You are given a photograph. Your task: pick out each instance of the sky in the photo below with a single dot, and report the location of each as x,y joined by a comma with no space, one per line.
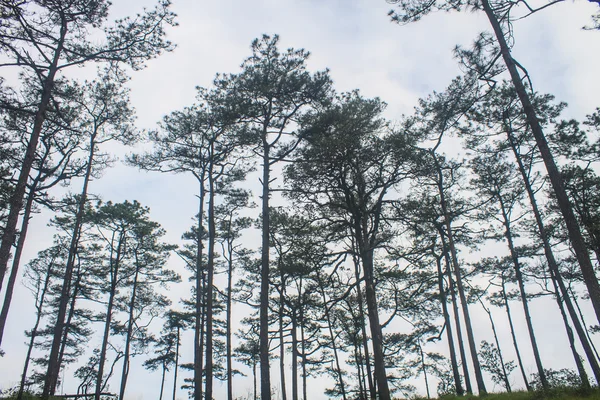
363,50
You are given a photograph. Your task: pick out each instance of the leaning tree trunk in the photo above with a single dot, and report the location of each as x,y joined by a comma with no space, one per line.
461,342
580,368
16,199
504,373
449,334
109,310
34,330
552,264
129,334
575,236
514,337
14,272
517,267
459,283
54,357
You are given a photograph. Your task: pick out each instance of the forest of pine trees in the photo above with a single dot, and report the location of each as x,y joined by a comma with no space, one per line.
327,243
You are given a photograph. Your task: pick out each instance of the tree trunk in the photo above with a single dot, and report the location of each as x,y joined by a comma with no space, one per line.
376,332
552,265
585,383
281,336
505,375
54,357
228,325
514,337
333,346
162,381
265,379
363,328
209,283
459,284
16,260
199,314
16,200
461,342
34,330
294,358
562,198
303,345
176,365
517,266
109,309
424,369
125,372
449,334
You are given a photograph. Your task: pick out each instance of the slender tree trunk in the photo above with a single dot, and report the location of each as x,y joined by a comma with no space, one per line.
162,381
34,330
333,346
228,324
517,266
14,272
514,337
562,198
176,365
376,332
70,316
449,334
265,379
254,381
303,345
504,373
580,368
461,343
125,372
109,309
199,314
583,324
281,336
424,369
53,359
459,284
552,264
361,315
16,199
359,370
209,283
294,357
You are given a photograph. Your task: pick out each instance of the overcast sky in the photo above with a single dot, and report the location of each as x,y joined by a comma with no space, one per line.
363,50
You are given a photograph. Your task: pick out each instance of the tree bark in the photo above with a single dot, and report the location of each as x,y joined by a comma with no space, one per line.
265,379
575,236
125,371
514,337
461,342
16,260
109,310
449,334
176,367
16,200
54,361
517,267
552,264
376,332
199,312
459,284
210,280
363,328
